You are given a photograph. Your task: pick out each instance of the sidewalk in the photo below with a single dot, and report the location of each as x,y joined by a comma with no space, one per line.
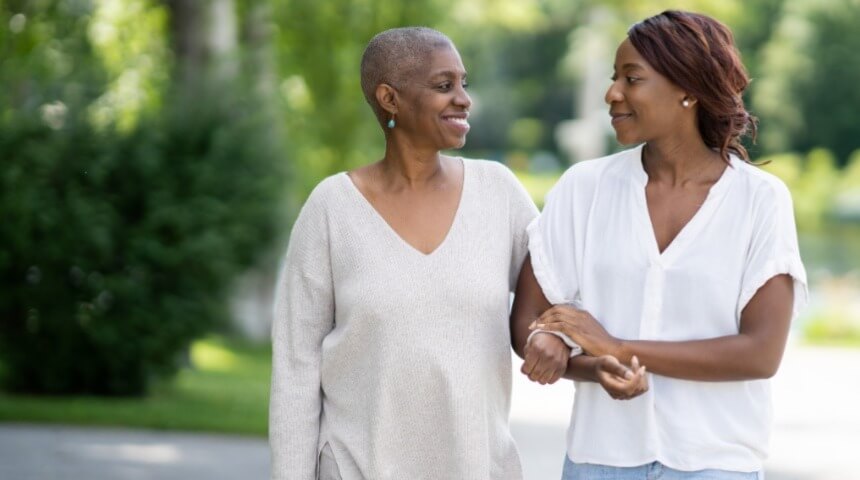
816,435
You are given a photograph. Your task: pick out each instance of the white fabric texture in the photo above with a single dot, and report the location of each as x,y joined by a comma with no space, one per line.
399,361
575,349
594,246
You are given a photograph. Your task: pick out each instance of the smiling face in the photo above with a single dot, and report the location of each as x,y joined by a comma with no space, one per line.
644,105
434,106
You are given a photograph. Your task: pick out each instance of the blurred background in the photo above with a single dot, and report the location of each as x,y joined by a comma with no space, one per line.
155,152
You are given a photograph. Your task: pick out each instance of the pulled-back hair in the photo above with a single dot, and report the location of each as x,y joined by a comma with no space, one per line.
698,54
395,55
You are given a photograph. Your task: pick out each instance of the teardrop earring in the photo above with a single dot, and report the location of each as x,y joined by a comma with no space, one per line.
391,122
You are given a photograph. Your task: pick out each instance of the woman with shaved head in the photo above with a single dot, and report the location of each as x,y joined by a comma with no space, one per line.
677,253
391,347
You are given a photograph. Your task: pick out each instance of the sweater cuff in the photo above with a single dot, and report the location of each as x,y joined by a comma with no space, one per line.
575,349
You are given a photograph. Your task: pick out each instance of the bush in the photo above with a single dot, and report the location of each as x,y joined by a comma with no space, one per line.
117,249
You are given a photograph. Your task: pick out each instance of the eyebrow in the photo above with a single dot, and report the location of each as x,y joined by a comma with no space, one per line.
448,74
632,66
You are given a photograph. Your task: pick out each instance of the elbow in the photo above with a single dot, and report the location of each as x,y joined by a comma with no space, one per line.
763,369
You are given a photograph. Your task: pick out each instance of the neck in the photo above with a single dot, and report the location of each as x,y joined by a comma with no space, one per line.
406,166
678,161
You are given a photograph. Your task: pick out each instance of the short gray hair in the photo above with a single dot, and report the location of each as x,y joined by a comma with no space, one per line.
395,55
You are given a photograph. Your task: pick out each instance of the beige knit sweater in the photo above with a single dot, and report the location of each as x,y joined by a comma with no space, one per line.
398,360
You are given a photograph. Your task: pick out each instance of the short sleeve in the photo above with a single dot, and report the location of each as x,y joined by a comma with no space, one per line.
552,244
774,248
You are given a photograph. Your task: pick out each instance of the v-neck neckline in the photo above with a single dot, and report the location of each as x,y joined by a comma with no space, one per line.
373,212
693,226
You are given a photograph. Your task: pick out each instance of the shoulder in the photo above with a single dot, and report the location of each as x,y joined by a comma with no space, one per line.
760,185
323,199
499,184
589,172
494,175
329,189
490,170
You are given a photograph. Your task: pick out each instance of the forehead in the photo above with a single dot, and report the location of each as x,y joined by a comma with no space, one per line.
628,58
445,61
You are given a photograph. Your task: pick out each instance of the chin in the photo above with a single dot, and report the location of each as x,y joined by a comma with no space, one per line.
626,139
455,144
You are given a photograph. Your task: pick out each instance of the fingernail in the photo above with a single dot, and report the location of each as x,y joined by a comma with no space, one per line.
628,374
532,325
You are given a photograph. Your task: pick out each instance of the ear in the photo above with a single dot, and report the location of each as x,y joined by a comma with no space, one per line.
386,96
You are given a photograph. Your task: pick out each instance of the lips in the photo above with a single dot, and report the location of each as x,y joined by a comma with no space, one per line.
457,121
618,117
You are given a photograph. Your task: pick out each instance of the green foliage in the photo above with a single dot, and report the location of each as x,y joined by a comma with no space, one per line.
118,249
833,328
805,94
812,181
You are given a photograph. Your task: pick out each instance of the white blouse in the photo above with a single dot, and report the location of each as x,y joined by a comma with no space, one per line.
593,246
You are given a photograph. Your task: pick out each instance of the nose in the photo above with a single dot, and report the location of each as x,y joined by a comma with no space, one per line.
462,99
613,94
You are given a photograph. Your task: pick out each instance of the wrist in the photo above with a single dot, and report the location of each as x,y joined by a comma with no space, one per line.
621,350
595,368
575,349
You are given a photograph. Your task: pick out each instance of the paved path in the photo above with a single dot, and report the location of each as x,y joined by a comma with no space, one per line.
816,435
30,452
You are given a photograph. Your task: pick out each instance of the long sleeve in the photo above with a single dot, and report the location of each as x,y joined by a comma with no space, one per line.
304,315
522,212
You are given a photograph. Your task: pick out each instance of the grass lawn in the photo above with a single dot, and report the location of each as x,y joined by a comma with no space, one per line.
226,391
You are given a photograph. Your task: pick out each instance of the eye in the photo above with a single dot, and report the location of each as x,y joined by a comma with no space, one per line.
444,87
465,85
633,79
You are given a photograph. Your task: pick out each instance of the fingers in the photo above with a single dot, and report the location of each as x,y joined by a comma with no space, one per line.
611,365
530,362
633,384
553,326
547,371
546,359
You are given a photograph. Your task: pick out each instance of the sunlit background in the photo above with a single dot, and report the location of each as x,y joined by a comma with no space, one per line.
155,152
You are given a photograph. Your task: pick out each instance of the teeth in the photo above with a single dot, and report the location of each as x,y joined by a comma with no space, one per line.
461,121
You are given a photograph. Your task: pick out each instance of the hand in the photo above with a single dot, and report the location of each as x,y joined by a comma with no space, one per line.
580,326
545,358
620,382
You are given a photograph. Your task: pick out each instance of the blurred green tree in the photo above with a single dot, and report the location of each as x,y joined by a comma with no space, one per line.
125,222
805,95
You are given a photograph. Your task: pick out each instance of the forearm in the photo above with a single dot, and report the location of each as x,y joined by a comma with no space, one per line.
293,434
529,303
520,322
581,368
729,358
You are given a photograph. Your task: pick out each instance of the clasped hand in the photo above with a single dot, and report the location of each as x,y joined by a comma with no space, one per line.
546,356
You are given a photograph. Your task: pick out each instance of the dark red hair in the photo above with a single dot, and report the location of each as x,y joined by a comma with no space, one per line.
698,54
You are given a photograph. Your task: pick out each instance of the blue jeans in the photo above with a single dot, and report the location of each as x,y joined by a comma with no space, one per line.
651,471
